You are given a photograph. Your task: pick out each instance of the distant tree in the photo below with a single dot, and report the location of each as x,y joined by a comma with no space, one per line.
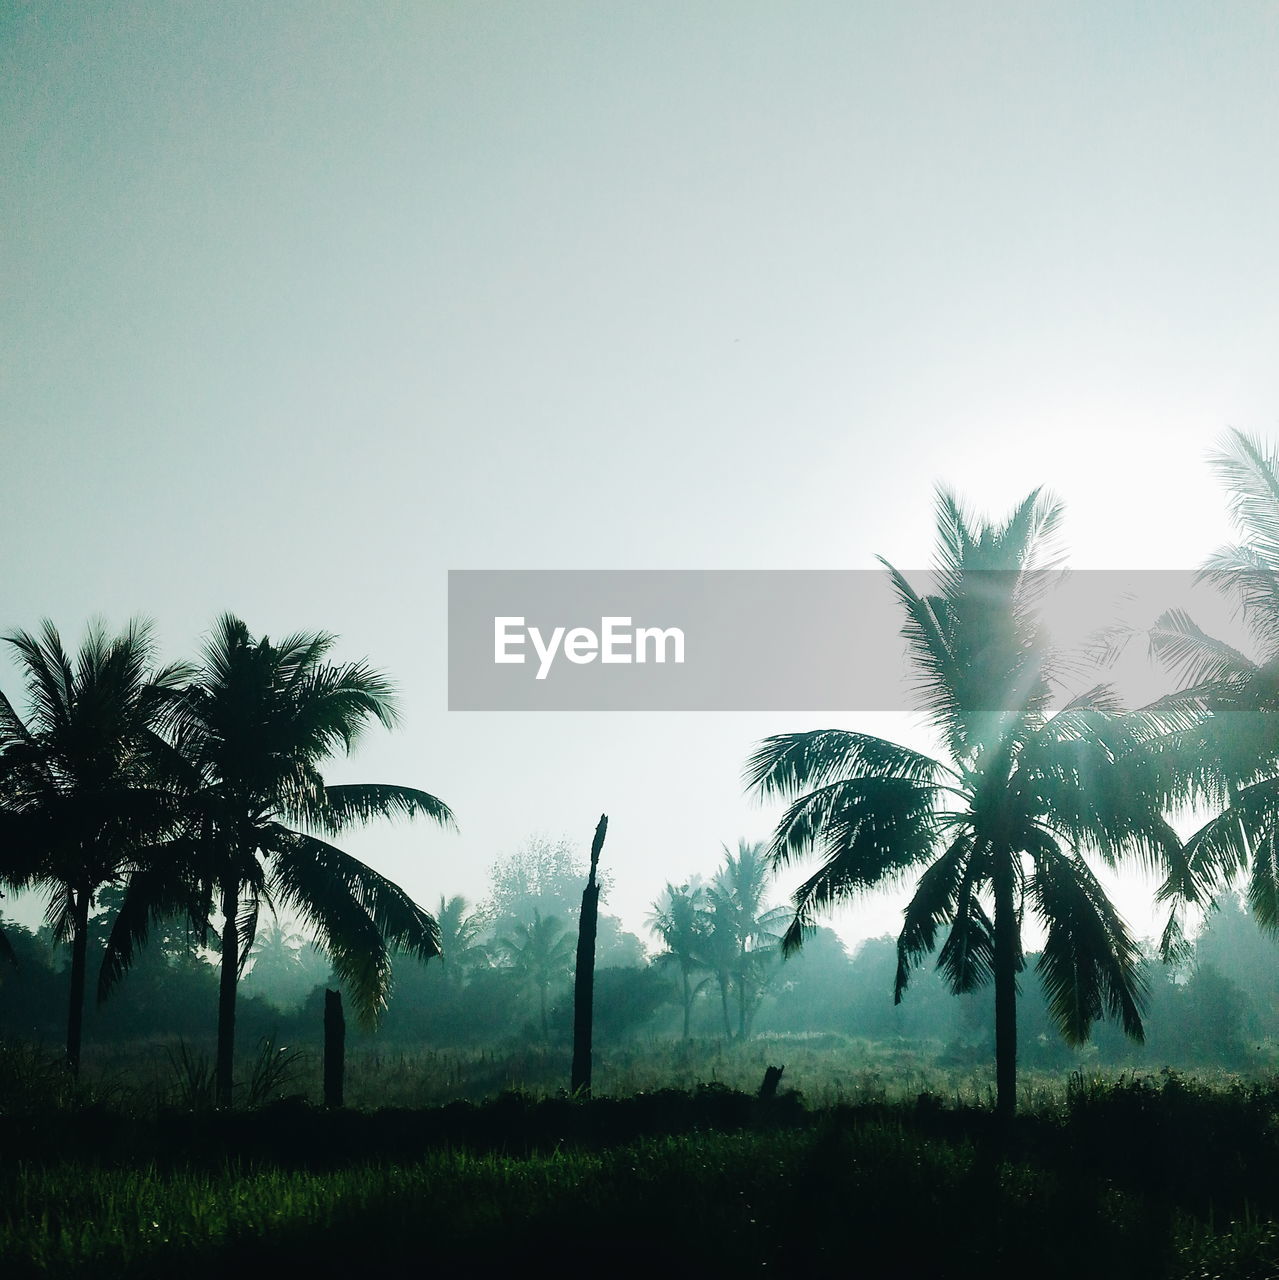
720,950
1211,1019
815,991
540,956
287,965
616,947
461,950
541,876
749,931
681,918
31,990
626,1001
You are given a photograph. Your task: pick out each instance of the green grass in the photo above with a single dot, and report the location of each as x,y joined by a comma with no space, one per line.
869,1196
799,1199
899,1166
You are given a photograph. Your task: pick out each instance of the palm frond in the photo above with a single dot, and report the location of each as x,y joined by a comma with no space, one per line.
353,908
1263,880
1192,655
1090,964
787,764
1250,475
346,805
868,832
932,905
1221,849
159,888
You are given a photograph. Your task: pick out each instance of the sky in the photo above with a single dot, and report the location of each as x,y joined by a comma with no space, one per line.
303,305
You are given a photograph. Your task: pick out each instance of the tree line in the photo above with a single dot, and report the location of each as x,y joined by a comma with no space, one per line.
196,792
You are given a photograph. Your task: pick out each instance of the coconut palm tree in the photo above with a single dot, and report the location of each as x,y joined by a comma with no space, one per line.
998,828
252,729
78,779
540,954
1232,756
736,898
460,947
681,918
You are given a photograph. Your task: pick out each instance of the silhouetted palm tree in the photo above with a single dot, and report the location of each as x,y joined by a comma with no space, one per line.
253,728
540,955
78,779
1000,828
1232,756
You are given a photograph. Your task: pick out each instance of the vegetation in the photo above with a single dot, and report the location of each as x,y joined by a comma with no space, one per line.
1152,1176
168,806
185,784
998,831
78,780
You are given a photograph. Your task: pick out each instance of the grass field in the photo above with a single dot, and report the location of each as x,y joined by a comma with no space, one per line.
888,1164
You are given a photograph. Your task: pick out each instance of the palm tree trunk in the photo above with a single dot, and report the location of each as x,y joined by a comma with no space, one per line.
1005,991
79,953
723,1001
546,1027
688,1003
741,995
226,994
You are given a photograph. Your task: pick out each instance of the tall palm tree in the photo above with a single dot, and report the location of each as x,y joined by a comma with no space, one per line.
540,954
1232,756
253,727
78,778
999,827
681,918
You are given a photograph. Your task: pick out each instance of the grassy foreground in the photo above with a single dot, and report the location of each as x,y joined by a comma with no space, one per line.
1139,1177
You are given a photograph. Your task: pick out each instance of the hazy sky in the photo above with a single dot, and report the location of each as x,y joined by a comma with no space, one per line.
304,304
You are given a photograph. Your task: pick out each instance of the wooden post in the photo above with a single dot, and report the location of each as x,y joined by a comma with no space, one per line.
334,1048
584,981
772,1078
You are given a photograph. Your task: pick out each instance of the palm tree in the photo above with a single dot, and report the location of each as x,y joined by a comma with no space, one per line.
1232,756
78,779
681,918
738,911
460,946
999,827
540,954
253,728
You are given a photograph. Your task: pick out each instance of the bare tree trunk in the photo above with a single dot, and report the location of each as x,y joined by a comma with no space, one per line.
1006,948
228,977
334,1049
79,953
584,977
